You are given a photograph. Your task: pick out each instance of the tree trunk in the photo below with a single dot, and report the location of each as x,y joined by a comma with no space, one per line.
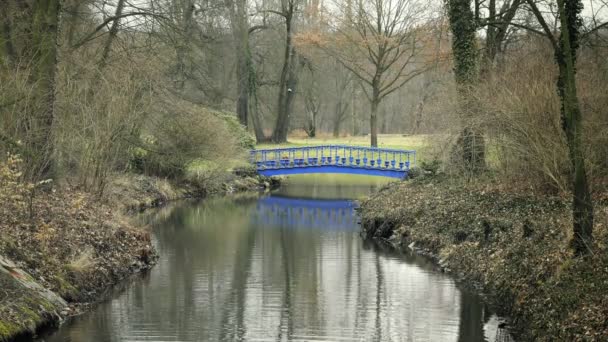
312,129
255,121
336,130
354,116
287,85
254,114
582,205
496,33
491,48
7,52
470,147
240,32
420,110
242,74
338,115
112,34
44,39
373,123
183,45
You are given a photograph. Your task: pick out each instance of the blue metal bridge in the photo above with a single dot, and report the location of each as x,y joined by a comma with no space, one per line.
334,159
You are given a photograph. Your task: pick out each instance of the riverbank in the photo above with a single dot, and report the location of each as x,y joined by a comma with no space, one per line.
61,248
512,243
133,193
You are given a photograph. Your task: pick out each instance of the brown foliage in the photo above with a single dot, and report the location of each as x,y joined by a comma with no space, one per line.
515,244
65,239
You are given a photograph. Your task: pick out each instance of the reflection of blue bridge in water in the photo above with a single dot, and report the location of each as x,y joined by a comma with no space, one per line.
334,159
294,213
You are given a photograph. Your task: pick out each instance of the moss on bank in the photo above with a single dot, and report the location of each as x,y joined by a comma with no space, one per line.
28,304
514,244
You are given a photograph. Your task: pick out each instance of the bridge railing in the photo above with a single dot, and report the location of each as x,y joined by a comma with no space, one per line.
338,155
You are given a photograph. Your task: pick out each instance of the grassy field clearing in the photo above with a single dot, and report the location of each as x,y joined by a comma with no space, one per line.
408,142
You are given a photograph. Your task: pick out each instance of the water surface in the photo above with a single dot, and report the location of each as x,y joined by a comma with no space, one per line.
285,267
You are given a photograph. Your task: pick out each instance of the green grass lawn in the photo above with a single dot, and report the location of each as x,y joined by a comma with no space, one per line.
409,142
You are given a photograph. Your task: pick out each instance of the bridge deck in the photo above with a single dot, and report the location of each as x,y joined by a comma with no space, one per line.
334,159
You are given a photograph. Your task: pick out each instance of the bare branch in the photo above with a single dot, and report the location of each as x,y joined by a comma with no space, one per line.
543,23
99,27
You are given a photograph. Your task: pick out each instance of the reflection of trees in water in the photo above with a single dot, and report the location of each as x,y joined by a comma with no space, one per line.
471,319
235,303
286,319
222,276
379,281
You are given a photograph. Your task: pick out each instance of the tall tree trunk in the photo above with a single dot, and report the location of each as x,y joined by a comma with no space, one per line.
44,40
312,125
582,205
7,50
242,102
287,84
186,8
288,80
253,112
375,103
338,117
336,130
491,48
420,107
354,115
240,32
470,149
373,122
255,119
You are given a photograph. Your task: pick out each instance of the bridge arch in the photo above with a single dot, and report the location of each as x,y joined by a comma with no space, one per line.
370,161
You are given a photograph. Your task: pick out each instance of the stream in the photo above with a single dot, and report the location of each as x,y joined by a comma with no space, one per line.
290,266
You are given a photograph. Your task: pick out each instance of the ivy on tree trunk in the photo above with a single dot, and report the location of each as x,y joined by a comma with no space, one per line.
470,147
565,55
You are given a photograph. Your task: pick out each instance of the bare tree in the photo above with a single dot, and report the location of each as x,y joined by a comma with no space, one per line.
380,45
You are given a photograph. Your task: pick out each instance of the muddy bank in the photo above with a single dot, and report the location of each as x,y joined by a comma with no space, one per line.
512,244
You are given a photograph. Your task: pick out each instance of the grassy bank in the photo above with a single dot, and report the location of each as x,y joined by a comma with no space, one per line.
511,242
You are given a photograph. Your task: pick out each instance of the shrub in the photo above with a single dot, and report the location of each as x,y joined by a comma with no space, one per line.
180,135
244,138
